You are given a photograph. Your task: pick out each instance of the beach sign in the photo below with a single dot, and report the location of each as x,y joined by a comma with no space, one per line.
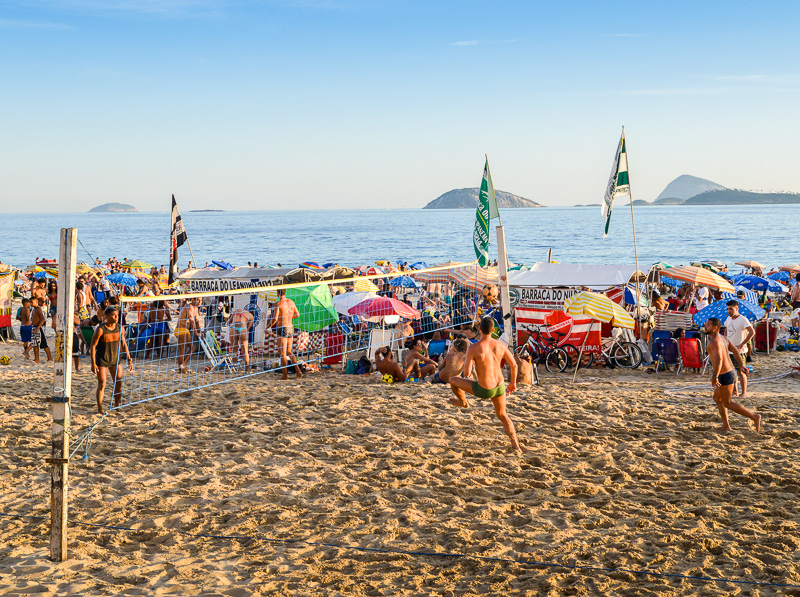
618,184
486,211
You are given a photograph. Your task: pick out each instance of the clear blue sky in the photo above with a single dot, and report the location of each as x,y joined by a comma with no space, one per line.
314,104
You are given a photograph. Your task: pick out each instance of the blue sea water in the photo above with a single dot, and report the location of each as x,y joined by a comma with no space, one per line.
676,234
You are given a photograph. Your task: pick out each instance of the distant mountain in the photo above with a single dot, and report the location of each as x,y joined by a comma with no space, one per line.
686,186
468,199
113,208
736,197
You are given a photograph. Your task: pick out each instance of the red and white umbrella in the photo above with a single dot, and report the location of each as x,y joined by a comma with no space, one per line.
381,306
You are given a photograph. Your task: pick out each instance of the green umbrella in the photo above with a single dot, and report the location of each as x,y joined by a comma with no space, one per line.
315,307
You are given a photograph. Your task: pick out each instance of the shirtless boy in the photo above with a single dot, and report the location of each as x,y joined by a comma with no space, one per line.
485,357
25,327
724,378
285,314
452,363
385,363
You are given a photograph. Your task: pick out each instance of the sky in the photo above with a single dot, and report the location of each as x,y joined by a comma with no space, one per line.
354,104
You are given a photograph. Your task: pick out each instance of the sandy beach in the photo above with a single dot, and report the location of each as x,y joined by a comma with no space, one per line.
619,474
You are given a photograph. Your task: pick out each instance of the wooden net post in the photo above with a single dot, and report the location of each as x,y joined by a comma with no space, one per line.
62,386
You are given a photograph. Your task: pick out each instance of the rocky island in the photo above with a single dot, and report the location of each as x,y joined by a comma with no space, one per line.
691,190
113,208
468,199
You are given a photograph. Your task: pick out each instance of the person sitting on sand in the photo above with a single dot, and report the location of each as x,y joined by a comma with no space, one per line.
385,363
724,375
452,363
416,356
485,357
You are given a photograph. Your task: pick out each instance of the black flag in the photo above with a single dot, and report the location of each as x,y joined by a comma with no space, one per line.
177,238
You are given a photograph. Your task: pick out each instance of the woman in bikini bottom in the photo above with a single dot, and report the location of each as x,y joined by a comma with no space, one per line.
480,392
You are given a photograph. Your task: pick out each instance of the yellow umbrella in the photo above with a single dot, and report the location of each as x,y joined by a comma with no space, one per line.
599,307
137,264
699,276
365,285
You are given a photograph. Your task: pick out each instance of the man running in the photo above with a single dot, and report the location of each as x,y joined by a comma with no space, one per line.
724,376
285,314
485,356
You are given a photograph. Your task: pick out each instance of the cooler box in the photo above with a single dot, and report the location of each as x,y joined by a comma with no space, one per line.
761,336
334,347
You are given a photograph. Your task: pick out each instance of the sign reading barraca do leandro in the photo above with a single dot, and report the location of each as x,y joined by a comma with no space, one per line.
542,299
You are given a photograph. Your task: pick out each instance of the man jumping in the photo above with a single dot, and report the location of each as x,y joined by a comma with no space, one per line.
485,356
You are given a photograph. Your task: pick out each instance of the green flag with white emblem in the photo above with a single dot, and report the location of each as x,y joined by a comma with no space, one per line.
487,211
618,185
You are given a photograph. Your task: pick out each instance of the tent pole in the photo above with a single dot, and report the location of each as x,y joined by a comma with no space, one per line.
580,353
505,297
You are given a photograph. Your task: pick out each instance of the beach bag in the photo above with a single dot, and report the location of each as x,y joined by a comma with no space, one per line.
351,367
364,366
647,356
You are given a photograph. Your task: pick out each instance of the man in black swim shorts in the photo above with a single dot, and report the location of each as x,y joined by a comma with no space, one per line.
724,375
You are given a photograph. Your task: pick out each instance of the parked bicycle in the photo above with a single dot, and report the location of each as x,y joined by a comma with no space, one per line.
544,350
618,353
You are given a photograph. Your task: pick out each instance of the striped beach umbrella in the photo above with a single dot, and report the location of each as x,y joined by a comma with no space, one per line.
365,285
475,277
137,264
720,310
600,307
699,276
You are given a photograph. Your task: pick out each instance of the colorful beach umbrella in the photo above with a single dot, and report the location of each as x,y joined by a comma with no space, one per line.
310,265
403,282
793,268
750,264
475,277
365,285
720,310
375,308
699,276
780,276
137,264
43,275
122,279
749,295
223,265
757,283
600,307
347,300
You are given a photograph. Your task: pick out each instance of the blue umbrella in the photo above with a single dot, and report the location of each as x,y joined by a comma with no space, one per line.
404,281
223,265
670,281
780,276
719,310
327,265
122,279
419,265
43,275
756,283
749,295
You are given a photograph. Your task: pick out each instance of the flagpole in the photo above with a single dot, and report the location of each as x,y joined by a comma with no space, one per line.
635,249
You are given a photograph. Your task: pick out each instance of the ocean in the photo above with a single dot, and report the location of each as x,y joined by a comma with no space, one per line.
675,234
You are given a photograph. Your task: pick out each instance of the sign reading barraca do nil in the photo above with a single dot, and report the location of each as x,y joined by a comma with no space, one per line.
543,299
486,211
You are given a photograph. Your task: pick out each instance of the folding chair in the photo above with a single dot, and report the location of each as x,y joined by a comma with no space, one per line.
214,353
379,338
690,355
667,350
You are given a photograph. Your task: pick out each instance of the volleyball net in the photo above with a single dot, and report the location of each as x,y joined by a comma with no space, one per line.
182,342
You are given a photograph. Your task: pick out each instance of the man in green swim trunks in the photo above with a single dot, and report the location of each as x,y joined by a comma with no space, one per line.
485,356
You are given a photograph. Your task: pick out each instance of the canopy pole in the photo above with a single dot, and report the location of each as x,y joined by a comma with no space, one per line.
635,249
580,353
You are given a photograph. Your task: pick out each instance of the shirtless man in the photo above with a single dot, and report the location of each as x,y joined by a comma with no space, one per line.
188,322
385,363
240,323
485,356
452,363
285,314
38,338
724,376
25,327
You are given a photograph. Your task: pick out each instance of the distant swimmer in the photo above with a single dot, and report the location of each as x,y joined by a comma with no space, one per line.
485,356
724,374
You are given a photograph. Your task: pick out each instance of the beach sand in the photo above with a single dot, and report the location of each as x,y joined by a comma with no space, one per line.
619,474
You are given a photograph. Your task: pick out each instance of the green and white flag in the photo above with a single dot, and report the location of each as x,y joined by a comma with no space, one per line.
618,185
487,211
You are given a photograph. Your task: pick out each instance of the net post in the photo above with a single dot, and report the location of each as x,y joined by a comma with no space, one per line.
505,297
62,386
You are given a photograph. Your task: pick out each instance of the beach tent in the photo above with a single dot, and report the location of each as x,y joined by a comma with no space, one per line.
594,276
315,307
214,280
337,272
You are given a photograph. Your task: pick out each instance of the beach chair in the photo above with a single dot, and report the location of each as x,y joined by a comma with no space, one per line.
214,353
379,338
436,348
691,355
667,351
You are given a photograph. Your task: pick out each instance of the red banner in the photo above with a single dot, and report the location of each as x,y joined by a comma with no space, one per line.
575,329
6,288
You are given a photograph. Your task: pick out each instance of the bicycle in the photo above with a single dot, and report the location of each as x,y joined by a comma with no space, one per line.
626,355
545,351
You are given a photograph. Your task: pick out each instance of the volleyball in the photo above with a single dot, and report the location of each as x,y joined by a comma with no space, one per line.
388,378
490,293
5,360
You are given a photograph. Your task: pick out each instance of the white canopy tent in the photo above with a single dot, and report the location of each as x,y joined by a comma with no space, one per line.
593,276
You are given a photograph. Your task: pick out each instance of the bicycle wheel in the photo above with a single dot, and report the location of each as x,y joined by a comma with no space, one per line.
556,360
572,354
627,355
